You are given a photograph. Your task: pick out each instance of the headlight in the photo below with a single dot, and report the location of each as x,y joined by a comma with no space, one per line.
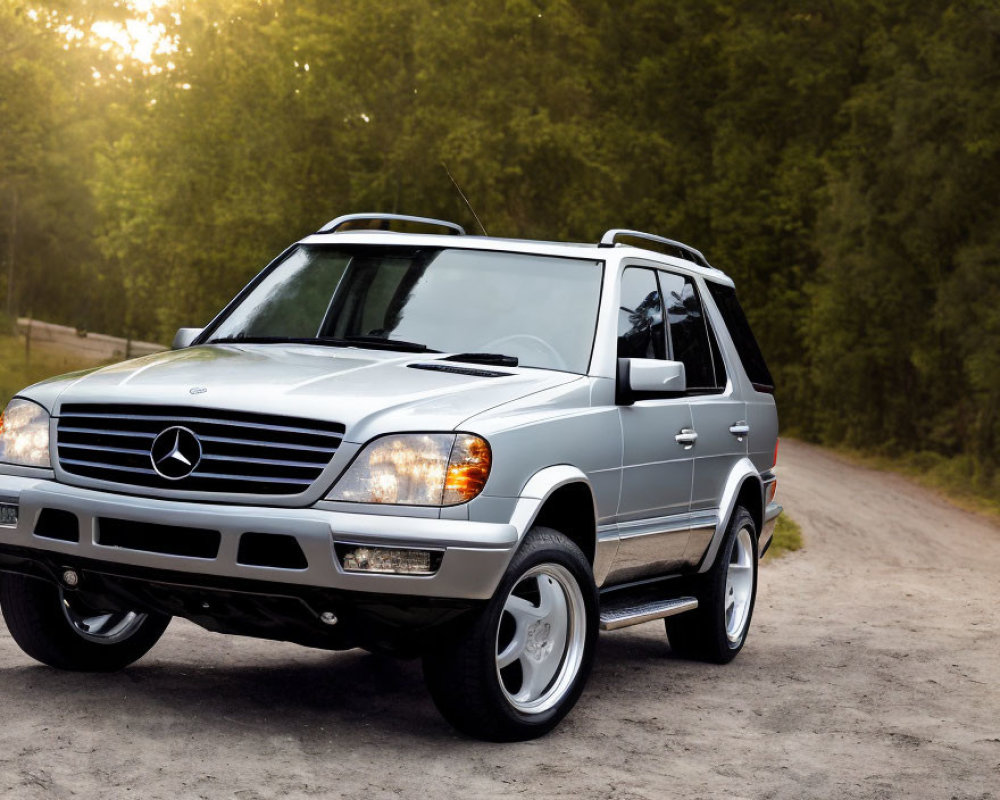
24,435
424,469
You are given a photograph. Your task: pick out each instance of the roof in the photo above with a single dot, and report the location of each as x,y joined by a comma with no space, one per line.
593,252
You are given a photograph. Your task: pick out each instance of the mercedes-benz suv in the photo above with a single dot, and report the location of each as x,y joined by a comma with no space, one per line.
474,450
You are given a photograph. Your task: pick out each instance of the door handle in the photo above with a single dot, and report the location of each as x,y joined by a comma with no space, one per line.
739,429
686,437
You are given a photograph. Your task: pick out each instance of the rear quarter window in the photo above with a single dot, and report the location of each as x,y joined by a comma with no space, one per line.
743,338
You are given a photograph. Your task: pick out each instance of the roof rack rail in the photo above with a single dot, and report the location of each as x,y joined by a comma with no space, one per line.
669,247
383,222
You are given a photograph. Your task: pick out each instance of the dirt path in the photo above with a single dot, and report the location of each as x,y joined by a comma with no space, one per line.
871,671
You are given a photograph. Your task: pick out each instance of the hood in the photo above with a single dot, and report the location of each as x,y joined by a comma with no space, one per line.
370,392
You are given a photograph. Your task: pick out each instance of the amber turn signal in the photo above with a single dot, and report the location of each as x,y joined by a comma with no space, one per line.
468,469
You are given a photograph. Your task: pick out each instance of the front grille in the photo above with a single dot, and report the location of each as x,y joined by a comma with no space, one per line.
242,453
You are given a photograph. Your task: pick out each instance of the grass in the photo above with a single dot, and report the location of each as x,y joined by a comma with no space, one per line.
787,537
19,369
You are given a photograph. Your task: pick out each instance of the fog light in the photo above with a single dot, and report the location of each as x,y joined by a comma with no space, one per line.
388,560
8,514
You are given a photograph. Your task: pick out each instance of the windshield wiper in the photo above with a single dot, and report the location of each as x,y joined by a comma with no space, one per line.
276,340
493,359
389,344
373,342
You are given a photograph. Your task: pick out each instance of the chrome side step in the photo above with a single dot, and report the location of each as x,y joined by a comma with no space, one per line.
614,618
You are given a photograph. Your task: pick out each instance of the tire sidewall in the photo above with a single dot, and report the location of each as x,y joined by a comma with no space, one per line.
540,549
32,610
741,519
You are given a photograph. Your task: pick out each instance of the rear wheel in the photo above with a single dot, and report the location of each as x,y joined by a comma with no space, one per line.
717,630
63,630
522,665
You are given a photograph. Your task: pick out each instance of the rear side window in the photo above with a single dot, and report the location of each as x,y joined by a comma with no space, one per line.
743,338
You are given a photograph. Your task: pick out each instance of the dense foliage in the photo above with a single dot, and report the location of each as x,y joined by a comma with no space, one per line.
840,159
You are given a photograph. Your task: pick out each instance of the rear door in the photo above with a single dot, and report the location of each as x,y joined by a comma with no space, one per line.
718,416
762,416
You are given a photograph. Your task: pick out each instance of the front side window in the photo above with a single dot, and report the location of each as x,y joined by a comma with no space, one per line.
640,316
661,316
541,310
691,338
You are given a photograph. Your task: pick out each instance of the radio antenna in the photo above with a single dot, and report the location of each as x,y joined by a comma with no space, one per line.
465,199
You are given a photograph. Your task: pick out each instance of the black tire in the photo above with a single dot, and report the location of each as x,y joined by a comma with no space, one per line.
488,701
703,634
34,612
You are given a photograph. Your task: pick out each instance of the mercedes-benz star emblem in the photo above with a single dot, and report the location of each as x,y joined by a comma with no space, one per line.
175,453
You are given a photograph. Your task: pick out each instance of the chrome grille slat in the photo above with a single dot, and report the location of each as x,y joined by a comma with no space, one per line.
270,461
97,465
206,475
218,477
227,440
68,429
242,453
192,420
103,449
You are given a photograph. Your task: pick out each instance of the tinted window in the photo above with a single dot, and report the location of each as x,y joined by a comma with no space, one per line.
640,316
688,329
743,338
720,365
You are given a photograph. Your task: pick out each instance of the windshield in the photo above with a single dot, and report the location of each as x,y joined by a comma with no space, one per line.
539,309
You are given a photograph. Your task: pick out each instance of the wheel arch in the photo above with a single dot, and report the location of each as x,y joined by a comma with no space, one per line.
560,497
744,487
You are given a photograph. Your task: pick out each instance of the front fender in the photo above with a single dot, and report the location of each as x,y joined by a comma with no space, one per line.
539,488
537,491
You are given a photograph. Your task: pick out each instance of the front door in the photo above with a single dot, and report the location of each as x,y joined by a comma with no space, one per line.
657,470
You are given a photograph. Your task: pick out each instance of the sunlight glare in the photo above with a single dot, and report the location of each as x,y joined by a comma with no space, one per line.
139,38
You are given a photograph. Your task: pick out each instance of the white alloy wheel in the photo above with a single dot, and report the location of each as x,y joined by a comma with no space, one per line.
515,669
108,627
541,638
739,585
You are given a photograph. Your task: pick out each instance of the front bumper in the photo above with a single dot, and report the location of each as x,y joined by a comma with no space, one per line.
475,554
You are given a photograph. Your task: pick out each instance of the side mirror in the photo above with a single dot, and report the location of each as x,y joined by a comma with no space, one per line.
640,378
184,337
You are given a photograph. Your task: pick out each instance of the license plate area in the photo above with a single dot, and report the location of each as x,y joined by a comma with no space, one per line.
8,514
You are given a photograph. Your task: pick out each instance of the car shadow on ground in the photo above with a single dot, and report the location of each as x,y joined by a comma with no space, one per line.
289,690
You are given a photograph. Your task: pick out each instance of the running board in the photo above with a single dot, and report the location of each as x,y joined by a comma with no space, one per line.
614,618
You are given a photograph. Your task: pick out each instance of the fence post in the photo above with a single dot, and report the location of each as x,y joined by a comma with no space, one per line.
11,251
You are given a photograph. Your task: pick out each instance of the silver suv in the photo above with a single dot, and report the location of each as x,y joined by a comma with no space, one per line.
475,450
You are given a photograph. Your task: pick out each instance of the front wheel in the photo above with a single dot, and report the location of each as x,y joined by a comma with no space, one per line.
62,630
519,669
726,594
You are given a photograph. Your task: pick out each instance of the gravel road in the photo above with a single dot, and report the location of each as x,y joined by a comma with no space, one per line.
871,671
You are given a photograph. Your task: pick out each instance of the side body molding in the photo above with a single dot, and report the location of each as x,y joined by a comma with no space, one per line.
742,470
539,488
